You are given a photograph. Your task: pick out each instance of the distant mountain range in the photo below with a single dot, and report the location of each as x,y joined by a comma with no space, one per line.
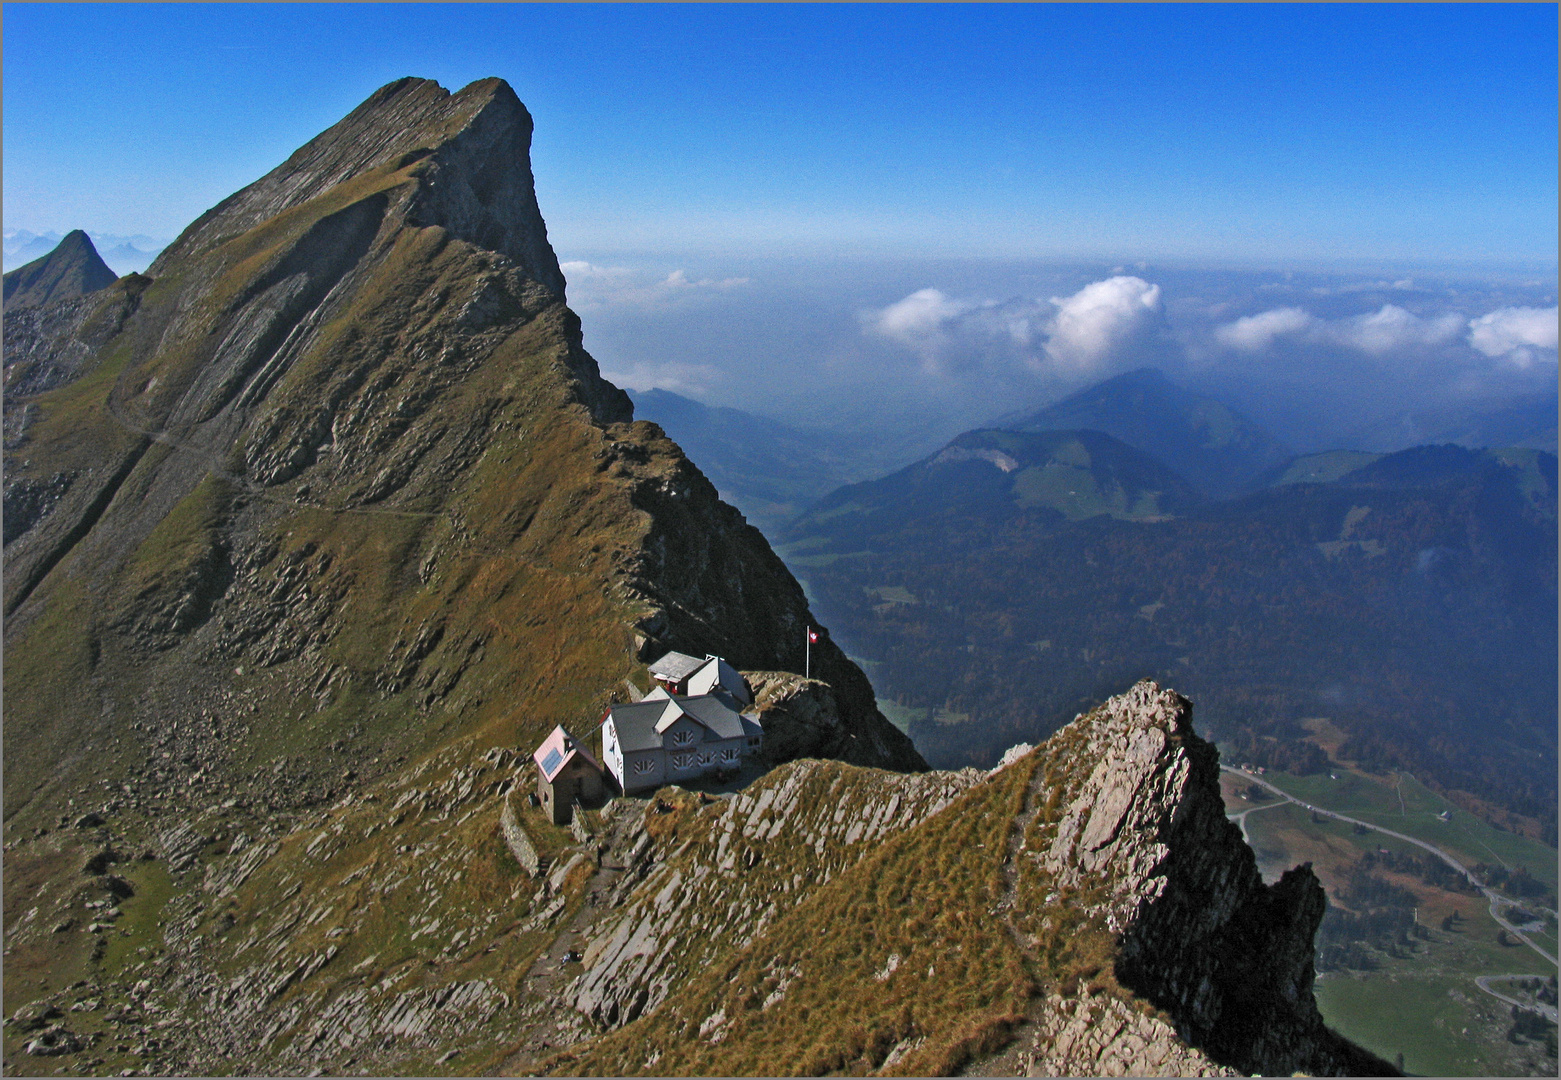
769,470
1527,420
125,254
1213,446
990,474
1012,578
69,270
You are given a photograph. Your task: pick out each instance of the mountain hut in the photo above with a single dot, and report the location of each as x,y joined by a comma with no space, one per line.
566,774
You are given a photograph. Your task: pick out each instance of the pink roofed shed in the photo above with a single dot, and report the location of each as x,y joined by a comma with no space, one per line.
566,774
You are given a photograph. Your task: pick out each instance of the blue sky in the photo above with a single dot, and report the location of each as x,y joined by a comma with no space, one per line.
1249,134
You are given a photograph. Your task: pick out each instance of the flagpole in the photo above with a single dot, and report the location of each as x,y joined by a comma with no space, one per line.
807,653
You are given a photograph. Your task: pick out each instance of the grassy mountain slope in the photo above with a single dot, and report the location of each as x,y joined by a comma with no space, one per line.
1217,449
321,510
1060,908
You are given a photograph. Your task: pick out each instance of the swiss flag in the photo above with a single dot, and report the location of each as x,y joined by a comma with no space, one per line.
812,636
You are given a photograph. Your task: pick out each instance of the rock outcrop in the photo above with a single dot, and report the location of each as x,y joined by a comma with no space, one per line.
1084,909
737,868
1201,937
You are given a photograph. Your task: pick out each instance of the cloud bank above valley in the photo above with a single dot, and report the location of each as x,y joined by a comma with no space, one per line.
922,351
1073,336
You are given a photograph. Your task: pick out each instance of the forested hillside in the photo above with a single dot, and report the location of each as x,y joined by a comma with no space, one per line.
1411,600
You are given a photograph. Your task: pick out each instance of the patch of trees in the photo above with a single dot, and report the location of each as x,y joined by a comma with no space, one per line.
1353,940
1292,754
1528,1026
1545,991
1515,881
1429,869
1380,920
1366,890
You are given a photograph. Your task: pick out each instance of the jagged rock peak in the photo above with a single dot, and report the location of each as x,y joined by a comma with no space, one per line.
74,268
472,152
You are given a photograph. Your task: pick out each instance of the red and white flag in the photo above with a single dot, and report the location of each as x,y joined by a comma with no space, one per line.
812,636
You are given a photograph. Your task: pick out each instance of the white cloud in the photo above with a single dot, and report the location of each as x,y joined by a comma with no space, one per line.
1388,329
1392,328
694,380
923,322
1254,333
595,287
1517,334
1069,336
1094,324
580,270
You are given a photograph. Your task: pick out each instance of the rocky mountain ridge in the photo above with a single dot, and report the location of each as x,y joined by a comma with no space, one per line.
1091,887
322,524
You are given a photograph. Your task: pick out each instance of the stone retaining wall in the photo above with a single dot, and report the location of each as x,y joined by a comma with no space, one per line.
519,843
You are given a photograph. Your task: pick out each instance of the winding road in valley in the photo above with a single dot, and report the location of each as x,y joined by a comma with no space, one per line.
1496,901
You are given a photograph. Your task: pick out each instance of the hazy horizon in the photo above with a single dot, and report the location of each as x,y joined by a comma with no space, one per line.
885,218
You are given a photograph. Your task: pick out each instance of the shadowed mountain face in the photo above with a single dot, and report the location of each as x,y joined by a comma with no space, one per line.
72,269
1213,446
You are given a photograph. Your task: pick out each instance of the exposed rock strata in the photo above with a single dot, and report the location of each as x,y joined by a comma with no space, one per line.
1201,936
1148,942
744,864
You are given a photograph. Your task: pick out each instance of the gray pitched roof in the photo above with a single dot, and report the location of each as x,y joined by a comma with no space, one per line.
636,723
715,714
676,666
641,723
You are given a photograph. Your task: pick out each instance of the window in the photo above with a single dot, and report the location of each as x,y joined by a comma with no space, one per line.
644,765
683,738
682,761
730,753
707,758
753,742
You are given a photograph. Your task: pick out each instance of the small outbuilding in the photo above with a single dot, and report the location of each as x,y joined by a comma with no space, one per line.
688,676
567,774
673,670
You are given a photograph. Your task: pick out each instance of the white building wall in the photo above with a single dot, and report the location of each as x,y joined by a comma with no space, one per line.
634,779
612,753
